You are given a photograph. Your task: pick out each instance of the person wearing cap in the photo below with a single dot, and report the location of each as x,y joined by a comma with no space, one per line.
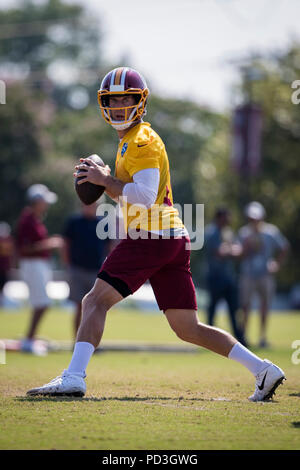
221,249
264,249
34,248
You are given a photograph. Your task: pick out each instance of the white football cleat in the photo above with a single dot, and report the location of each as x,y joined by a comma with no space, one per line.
66,384
268,379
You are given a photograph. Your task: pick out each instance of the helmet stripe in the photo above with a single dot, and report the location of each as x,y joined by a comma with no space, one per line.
124,76
112,77
118,76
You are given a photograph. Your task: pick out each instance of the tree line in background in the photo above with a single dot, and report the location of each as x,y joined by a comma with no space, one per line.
50,121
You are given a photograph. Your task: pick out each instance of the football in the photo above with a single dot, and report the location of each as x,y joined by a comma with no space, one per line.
89,192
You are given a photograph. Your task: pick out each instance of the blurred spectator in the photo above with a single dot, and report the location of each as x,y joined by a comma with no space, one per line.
84,253
220,250
294,297
264,250
6,255
34,249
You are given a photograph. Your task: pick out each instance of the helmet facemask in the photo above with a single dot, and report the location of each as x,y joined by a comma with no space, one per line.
132,113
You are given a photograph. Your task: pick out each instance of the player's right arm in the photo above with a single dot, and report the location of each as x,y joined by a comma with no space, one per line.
100,175
114,188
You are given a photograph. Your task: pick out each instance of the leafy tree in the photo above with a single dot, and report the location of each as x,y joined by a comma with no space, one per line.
46,127
21,149
35,39
53,46
276,185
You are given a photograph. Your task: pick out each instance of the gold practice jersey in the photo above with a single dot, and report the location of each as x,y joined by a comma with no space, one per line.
142,148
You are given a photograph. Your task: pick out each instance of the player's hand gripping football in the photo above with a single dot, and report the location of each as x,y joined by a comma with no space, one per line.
91,172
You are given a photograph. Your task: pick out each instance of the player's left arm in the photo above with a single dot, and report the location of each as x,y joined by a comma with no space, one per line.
143,165
113,187
144,189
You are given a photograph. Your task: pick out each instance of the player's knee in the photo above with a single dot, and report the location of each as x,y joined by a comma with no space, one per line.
193,334
182,334
92,303
85,303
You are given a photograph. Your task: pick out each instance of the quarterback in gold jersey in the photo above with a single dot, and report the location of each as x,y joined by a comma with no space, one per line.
141,148
157,246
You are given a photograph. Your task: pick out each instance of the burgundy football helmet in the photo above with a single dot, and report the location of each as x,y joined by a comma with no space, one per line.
123,81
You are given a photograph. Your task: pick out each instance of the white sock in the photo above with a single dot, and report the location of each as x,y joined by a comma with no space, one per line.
242,355
81,356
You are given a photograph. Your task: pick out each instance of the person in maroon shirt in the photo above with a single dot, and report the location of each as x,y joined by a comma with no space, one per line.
34,247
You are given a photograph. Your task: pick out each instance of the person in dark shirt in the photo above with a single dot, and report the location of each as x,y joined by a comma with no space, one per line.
220,250
84,252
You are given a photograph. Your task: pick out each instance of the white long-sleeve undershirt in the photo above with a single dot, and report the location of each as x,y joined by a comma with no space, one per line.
144,188
143,191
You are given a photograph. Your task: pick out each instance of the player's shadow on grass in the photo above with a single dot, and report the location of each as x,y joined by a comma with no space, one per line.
125,398
147,399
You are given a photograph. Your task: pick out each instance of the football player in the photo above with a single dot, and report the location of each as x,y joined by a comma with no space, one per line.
157,246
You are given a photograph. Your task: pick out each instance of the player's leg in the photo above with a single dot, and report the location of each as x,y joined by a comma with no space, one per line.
95,305
175,294
186,325
120,275
77,318
94,308
118,278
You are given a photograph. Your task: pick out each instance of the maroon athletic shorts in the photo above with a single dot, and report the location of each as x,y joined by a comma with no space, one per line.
165,262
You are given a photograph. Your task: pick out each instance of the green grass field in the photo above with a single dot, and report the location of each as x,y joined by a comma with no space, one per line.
146,400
